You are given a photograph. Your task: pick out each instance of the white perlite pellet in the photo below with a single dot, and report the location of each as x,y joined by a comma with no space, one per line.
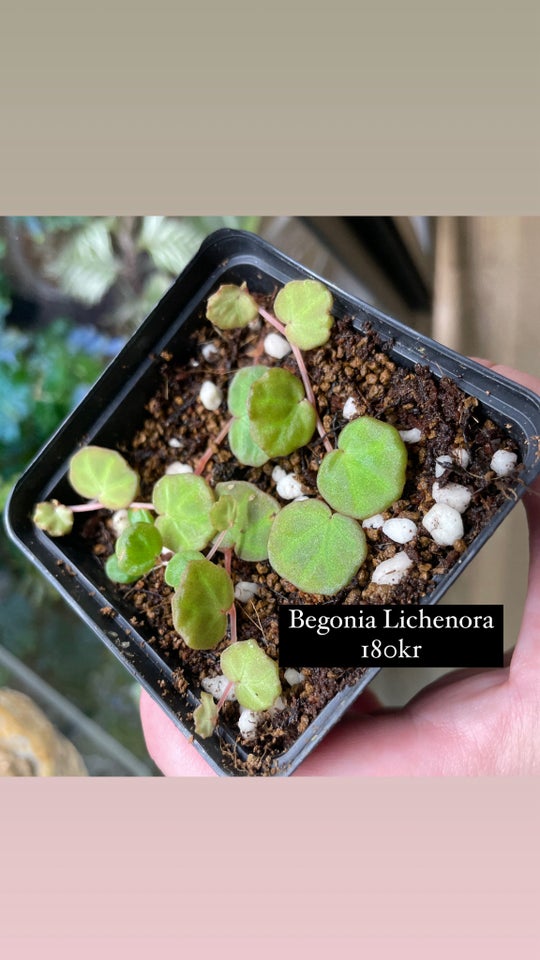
119,522
216,687
374,523
278,473
177,467
293,677
444,523
399,529
454,494
209,351
210,395
442,464
503,462
410,436
462,457
244,590
391,571
288,488
350,408
247,723
276,346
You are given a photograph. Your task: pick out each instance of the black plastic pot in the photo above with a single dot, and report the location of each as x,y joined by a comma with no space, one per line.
118,399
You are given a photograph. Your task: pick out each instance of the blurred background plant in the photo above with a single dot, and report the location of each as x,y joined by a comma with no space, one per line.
72,290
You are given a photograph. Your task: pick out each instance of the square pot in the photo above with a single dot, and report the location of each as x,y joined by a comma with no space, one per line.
119,398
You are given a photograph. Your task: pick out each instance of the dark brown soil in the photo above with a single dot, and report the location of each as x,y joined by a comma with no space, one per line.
177,427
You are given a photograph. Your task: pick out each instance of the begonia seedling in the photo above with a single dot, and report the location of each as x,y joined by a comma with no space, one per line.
281,419
103,475
254,674
366,474
304,307
316,550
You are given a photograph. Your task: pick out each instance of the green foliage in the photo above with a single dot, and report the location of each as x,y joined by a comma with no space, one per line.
231,306
200,603
304,307
53,517
138,515
205,716
177,565
39,377
254,674
86,266
241,442
281,418
100,474
367,472
136,553
250,520
138,547
317,551
183,502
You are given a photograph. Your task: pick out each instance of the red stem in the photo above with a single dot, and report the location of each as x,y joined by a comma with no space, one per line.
224,696
216,545
96,505
210,451
269,317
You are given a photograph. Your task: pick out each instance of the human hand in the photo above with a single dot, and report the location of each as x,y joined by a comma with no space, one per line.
468,723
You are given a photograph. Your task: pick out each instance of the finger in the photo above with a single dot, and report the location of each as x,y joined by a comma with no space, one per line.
170,750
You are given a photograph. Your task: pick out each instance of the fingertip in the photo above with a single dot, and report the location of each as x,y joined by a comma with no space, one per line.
170,750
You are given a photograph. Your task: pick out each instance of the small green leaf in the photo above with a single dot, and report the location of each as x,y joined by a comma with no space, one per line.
304,307
205,716
231,306
240,440
53,517
255,512
254,674
281,418
183,502
100,474
138,515
224,512
200,604
177,565
113,571
366,474
137,549
314,549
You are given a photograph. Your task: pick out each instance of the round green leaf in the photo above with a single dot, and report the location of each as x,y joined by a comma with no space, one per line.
177,565
314,549
304,306
183,502
366,474
137,549
240,440
253,518
53,517
281,419
200,604
231,306
254,674
100,474
115,573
